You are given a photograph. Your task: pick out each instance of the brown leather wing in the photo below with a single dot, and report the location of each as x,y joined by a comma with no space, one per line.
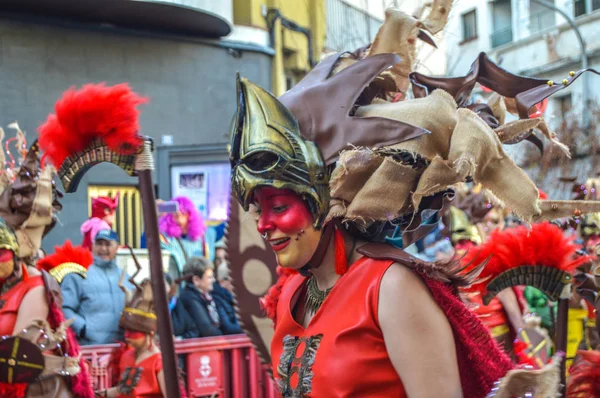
253,271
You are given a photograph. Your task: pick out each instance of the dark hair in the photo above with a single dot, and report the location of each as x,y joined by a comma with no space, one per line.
168,279
196,266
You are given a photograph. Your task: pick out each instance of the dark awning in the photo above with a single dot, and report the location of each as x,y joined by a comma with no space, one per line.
136,14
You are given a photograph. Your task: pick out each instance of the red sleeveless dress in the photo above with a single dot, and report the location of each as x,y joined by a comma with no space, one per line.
342,352
141,378
10,303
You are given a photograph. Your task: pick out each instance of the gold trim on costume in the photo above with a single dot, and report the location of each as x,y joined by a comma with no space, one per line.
135,311
60,271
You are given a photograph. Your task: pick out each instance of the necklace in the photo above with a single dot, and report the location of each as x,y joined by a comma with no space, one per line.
314,296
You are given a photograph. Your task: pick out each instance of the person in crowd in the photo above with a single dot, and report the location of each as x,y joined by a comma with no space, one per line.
140,365
184,235
103,217
95,303
222,294
183,324
197,299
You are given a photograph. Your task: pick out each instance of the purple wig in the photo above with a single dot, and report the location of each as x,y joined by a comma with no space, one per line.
168,226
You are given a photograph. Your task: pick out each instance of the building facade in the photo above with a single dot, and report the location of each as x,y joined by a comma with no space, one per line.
527,38
179,56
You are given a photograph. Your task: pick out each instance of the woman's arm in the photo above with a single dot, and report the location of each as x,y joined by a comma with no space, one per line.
161,383
34,306
509,301
418,336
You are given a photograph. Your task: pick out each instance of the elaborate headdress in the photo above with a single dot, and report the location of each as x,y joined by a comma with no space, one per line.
541,257
100,124
138,314
380,163
29,198
66,259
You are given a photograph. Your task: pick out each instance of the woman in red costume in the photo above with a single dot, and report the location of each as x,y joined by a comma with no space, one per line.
29,298
339,178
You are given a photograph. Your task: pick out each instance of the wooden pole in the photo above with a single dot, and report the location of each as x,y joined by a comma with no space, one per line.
161,306
561,340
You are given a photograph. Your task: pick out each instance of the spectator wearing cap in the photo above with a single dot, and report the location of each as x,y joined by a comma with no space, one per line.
222,294
96,302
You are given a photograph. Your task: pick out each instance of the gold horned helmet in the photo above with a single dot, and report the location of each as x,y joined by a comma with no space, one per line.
268,150
460,227
290,142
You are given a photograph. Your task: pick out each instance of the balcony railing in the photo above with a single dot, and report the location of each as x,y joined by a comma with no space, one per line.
541,20
502,36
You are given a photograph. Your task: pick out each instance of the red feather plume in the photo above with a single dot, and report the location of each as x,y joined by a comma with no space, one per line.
584,380
66,254
94,111
542,244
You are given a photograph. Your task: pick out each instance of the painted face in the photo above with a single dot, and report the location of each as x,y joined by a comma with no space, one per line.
135,339
7,263
287,224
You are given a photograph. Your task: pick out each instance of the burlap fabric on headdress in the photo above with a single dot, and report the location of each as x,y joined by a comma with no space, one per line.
29,200
369,184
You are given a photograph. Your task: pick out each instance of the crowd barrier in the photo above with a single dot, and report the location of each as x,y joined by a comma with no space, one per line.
223,366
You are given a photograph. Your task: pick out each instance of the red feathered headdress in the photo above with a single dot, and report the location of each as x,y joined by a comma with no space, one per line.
541,257
65,260
584,380
93,112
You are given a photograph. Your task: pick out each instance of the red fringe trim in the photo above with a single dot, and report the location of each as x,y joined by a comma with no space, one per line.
584,380
481,361
341,261
80,384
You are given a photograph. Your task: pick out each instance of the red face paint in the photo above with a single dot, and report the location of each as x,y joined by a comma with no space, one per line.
134,335
287,224
6,255
283,210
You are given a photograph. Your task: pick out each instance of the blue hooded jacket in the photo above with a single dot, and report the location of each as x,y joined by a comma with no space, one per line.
95,303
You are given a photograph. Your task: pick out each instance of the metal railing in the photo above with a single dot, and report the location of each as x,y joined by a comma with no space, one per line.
502,36
541,20
223,366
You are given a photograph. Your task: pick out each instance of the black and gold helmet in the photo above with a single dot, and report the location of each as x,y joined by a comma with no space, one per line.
8,239
268,150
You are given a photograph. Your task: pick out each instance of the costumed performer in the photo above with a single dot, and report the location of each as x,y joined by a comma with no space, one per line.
184,235
42,356
469,221
332,165
103,217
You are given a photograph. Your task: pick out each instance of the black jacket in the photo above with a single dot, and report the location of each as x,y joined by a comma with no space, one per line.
225,307
183,324
197,308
